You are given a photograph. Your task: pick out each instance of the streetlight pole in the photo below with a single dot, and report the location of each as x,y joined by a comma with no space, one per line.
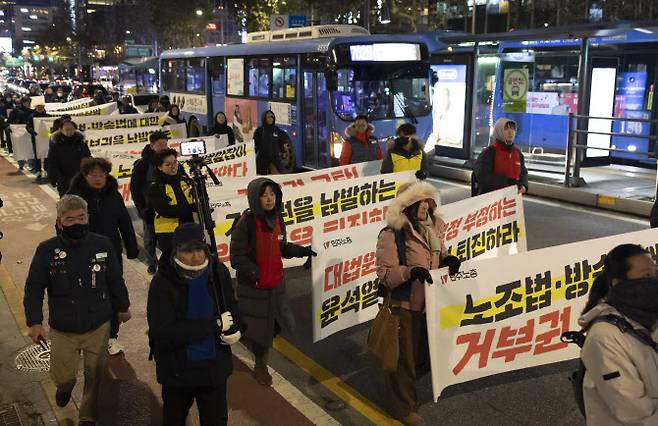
366,15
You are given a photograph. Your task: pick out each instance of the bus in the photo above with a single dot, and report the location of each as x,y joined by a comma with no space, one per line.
619,80
315,79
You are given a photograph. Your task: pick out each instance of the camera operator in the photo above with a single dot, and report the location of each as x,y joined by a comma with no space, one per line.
190,335
170,198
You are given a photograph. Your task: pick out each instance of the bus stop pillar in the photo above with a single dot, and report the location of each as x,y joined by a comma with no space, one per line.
581,120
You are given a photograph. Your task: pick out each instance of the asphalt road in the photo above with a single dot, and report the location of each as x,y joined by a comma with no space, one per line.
534,396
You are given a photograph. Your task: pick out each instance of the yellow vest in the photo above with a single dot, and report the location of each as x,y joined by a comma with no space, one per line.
402,163
166,225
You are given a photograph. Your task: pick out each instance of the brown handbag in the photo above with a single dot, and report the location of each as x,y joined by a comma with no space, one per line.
384,336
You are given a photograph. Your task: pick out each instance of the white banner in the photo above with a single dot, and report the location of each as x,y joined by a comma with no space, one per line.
21,142
52,107
110,108
339,280
488,225
238,187
319,209
195,104
99,139
507,313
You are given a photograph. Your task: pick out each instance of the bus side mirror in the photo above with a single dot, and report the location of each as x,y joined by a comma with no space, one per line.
331,77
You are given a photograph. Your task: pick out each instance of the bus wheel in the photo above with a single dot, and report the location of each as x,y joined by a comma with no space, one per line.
195,129
287,158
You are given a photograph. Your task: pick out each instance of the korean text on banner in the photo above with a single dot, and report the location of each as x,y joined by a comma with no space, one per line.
97,139
104,109
238,187
317,210
52,107
344,279
485,226
507,313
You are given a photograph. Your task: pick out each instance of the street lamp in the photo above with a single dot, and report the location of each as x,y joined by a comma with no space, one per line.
199,12
127,31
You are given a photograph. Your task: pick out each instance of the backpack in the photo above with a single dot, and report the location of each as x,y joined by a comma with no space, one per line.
578,337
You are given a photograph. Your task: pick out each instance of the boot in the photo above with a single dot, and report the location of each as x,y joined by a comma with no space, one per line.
261,374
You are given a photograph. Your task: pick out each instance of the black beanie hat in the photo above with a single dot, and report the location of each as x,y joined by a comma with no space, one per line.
188,233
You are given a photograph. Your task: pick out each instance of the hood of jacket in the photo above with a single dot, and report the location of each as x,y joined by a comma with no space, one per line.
79,185
408,194
254,188
601,309
499,128
350,131
262,118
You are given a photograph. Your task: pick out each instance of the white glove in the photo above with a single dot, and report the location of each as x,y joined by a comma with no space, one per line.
230,338
225,321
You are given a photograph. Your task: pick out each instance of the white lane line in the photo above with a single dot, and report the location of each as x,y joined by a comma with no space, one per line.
313,412
565,205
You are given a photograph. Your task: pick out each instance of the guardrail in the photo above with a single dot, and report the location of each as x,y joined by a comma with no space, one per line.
575,149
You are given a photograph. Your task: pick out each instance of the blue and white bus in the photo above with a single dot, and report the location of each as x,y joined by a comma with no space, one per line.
316,80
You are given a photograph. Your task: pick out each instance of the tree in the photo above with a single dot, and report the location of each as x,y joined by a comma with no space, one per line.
176,24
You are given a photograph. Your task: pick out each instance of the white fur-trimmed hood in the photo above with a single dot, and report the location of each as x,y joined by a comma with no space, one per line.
408,194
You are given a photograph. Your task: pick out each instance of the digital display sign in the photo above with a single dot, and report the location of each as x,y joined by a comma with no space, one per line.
385,52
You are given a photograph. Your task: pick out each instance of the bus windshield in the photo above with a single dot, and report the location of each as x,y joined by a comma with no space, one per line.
382,91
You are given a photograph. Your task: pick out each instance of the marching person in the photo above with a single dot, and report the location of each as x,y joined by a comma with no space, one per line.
269,139
621,380
221,127
65,154
21,115
258,244
38,112
49,95
406,154
173,117
170,198
82,276
127,107
413,223
501,164
193,319
99,98
61,96
359,145
142,177
108,216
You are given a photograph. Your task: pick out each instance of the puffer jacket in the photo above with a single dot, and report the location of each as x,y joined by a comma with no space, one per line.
355,151
64,157
621,383
389,270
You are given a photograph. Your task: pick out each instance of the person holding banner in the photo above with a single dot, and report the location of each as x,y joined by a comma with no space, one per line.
258,244
66,152
501,164
173,117
21,115
407,249
38,112
406,154
620,386
221,127
268,140
170,198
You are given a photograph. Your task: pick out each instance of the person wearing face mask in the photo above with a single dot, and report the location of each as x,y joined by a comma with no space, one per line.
60,96
501,164
65,154
170,198
108,216
258,244
414,224
193,319
221,127
268,140
49,95
359,145
621,380
81,273
406,154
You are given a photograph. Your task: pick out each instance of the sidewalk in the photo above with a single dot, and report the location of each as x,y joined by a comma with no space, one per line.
130,395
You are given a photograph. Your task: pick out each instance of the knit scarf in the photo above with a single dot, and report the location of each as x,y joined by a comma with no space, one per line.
428,232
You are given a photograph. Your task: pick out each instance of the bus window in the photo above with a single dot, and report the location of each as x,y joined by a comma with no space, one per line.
174,75
195,75
259,77
382,91
216,71
284,78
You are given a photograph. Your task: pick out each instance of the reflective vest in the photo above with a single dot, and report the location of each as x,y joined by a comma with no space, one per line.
507,162
166,225
403,164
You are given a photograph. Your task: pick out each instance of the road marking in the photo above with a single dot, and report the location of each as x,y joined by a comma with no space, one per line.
341,389
562,204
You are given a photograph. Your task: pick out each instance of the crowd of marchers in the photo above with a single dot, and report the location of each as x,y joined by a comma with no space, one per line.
194,315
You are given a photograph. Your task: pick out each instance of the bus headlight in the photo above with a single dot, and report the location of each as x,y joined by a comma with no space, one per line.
336,144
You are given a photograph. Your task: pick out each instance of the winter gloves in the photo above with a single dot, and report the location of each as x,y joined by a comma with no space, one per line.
421,274
453,263
225,321
421,175
307,252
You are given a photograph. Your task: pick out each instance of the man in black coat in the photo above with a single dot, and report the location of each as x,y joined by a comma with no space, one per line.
81,274
21,115
65,154
193,319
142,177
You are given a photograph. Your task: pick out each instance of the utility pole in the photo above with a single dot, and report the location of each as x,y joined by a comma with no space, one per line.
366,15
473,18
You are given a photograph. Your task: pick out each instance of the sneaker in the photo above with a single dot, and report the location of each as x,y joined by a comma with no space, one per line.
114,347
152,269
62,398
413,419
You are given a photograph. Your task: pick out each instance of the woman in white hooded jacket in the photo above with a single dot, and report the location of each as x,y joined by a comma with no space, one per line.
620,386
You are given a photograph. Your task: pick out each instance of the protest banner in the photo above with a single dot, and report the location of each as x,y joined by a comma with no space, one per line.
238,187
339,271
317,209
507,313
101,139
22,143
110,108
488,225
52,107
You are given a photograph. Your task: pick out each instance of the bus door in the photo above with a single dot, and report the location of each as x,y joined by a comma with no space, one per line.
603,81
451,104
315,134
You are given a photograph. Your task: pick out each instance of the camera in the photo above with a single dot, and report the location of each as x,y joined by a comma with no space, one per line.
194,147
